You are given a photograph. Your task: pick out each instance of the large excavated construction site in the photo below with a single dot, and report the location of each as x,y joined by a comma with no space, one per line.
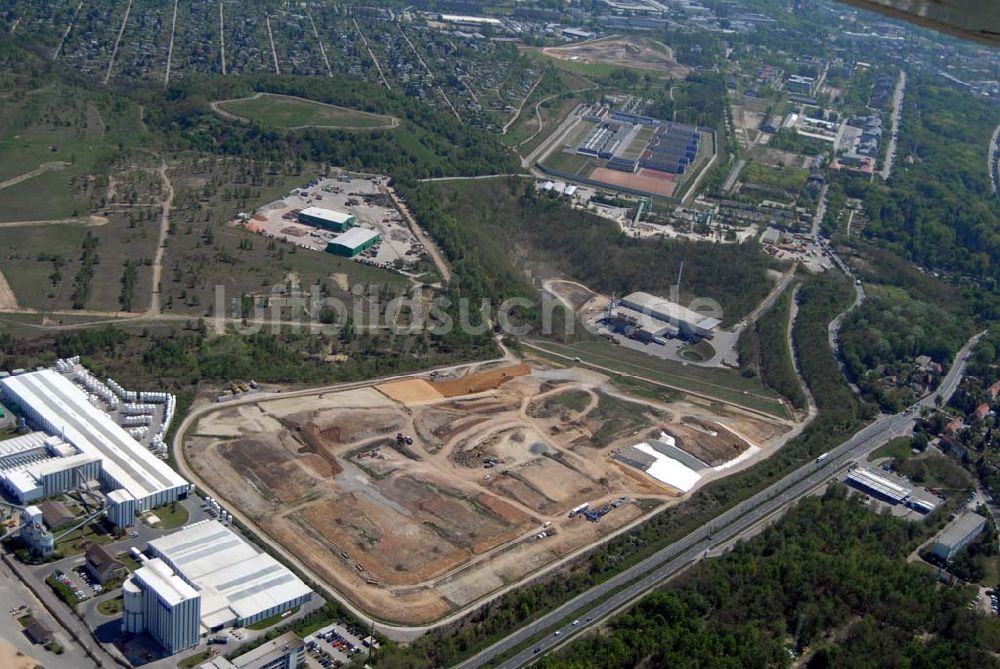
416,498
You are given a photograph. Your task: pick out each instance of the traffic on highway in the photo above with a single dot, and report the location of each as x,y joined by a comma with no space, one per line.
599,602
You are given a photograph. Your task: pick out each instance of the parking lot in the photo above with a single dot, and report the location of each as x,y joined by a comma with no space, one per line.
334,646
361,196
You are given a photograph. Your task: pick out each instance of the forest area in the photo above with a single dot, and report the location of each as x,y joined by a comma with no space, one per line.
510,228
759,605
764,352
940,211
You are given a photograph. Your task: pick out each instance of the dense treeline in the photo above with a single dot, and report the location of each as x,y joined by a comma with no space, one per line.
512,228
185,359
821,298
880,340
940,211
830,579
428,143
777,368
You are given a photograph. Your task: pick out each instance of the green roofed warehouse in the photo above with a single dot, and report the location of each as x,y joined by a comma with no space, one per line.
353,242
337,221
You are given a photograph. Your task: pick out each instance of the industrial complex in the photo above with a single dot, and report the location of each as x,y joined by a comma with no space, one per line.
202,579
617,146
351,216
80,445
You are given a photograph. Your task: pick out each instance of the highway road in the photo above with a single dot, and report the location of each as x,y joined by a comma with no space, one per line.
590,607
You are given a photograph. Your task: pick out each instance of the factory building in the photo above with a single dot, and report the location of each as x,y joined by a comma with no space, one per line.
328,219
959,535
284,652
158,601
353,242
34,534
84,445
668,317
878,486
238,586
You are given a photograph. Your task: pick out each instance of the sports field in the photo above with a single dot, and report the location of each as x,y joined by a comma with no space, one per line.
283,111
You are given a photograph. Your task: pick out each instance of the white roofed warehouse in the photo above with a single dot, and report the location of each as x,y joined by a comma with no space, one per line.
91,445
670,313
238,585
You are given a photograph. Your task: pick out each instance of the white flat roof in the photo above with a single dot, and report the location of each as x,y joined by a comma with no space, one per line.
66,407
327,214
879,484
161,579
354,237
672,472
22,444
229,572
51,465
661,308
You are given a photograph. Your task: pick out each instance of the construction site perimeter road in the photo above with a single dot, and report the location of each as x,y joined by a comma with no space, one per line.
400,633
757,412
622,590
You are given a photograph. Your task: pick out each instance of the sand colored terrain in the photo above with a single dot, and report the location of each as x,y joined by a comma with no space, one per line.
633,51
11,657
413,531
471,384
8,300
410,391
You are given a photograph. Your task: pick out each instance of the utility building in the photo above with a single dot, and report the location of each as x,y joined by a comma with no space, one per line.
353,242
329,219
84,444
669,314
160,602
959,535
238,586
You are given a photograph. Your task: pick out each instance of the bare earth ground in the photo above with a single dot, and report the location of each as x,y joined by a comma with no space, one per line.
8,300
412,532
637,52
11,658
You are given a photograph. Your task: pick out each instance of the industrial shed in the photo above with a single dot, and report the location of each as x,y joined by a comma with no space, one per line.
662,309
353,242
329,219
237,585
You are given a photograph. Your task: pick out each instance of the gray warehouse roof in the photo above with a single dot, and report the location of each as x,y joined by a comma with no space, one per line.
961,529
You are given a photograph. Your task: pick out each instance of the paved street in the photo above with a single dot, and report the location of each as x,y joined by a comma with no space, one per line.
642,577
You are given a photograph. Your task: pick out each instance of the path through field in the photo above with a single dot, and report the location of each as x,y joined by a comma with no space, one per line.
41,169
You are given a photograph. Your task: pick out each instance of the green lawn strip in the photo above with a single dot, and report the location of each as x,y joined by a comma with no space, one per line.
273,620
290,112
724,385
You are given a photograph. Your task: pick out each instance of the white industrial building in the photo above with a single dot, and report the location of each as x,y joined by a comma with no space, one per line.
83,444
158,601
664,461
879,486
287,651
34,534
959,535
669,314
238,586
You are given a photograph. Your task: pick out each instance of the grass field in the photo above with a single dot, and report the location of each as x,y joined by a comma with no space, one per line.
578,67
282,111
203,252
80,131
725,385
572,163
41,263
